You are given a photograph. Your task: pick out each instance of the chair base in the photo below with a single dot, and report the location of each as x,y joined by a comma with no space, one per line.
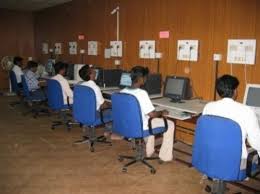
36,112
92,141
139,157
67,124
65,121
218,187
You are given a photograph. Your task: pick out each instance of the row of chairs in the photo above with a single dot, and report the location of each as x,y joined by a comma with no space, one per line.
35,99
214,154
217,145
125,123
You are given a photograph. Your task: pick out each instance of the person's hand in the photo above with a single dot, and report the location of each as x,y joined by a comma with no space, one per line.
165,112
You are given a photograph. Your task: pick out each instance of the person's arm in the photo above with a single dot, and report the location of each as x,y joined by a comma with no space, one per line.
253,132
105,105
67,89
158,113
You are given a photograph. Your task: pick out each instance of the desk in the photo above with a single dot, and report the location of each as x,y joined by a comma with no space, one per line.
190,106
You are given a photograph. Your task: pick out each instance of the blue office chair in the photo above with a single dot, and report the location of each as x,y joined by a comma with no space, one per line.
84,111
37,99
56,104
14,84
15,88
217,151
127,122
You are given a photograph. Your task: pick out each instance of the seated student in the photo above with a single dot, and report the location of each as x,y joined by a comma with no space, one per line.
88,74
31,77
227,107
138,76
17,69
60,71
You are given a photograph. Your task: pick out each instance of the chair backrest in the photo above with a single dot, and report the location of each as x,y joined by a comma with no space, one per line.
54,95
126,114
14,83
217,147
26,90
84,105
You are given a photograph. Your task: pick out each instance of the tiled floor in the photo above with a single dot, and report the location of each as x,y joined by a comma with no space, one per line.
36,160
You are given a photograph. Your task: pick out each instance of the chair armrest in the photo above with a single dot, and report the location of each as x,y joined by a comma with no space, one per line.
102,115
249,164
151,127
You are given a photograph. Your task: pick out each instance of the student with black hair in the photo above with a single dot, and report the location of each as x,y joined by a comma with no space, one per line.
138,76
31,76
17,69
88,74
227,107
60,71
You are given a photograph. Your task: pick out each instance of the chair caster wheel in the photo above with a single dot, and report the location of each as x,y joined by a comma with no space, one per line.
92,149
120,159
208,189
153,171
52,128
124,170
160,161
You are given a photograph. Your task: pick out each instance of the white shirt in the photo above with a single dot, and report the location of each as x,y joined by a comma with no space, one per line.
18,73
144,101
241,114
99,98
66,90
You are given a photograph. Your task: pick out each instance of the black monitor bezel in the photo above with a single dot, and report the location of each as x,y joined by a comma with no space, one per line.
184,90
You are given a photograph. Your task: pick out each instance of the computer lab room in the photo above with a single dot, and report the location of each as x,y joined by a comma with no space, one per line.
130,96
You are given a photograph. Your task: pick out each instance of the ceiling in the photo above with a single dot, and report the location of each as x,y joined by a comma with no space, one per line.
30,5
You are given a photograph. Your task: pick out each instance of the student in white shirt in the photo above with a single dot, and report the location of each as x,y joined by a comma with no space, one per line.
60,71
17,69
227,107
88,74
138,76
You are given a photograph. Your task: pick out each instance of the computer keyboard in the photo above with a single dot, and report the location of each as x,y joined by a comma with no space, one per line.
176,114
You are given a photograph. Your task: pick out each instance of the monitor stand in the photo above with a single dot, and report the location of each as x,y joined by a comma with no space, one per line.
176,100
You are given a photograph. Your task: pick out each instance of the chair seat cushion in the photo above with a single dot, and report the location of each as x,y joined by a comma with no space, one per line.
107,117
156,131
36,96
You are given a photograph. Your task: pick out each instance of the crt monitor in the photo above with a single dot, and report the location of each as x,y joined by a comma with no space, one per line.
111,77
97,73
77,67
70,72
176,88
153,83
252,95
125,80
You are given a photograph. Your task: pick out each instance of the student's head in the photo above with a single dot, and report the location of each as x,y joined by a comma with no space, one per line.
226,86
87,73
60,68
32,65
18,61
139,75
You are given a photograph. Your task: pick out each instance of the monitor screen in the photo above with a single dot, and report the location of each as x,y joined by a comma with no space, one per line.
176,87
77,67
252,95
70,72
153,84
97,72
111,77
125,80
